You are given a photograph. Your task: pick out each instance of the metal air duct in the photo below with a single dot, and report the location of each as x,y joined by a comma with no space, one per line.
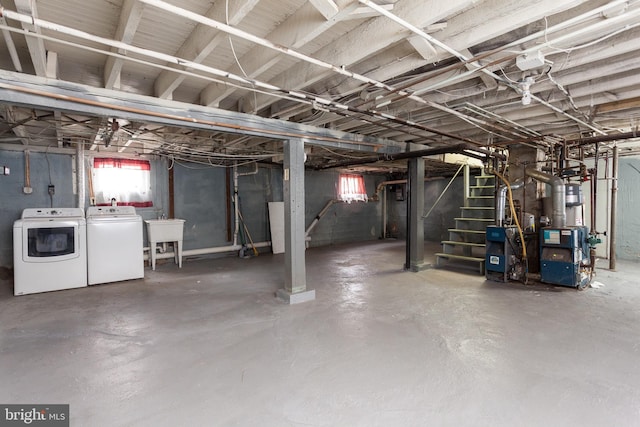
559,215
501,201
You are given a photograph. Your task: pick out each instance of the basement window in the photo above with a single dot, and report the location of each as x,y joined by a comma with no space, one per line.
351,188
126,181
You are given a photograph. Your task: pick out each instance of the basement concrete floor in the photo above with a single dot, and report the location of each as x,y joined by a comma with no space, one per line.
209,345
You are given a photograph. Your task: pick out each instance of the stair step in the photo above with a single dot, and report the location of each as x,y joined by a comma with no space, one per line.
453,242
460,257
460,230
476,219
441,255
481,186
478,207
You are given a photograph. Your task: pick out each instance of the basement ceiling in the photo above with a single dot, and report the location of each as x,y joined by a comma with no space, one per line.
428,72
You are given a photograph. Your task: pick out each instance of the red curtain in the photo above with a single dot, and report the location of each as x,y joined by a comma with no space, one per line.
351,188
127,181
143,165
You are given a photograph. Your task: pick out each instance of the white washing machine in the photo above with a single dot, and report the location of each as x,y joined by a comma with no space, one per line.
49,250
114,244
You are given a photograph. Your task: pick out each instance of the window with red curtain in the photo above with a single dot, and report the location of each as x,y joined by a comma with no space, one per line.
127,181
351,188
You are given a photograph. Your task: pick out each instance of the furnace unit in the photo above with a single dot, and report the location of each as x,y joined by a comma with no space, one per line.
564,256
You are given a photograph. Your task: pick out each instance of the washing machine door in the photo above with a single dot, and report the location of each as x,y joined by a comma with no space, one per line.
50,241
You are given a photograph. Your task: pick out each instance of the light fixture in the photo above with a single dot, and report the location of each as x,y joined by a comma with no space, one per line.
525,85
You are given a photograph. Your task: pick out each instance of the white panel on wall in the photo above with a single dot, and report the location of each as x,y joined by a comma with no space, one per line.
276,222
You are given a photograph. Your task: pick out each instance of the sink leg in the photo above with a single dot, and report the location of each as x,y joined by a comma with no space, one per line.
152,254
178,252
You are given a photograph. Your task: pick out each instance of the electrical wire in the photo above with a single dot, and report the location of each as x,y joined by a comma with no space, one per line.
342,155
156,65
233,51
588,44
567,94
49,190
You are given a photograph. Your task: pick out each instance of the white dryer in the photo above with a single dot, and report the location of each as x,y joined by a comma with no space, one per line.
49,250
114,244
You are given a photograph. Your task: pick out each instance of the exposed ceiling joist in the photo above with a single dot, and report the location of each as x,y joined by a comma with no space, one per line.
369,37
299,29
36,46
11,46
328,8
127,25
202,41
31,91
372,74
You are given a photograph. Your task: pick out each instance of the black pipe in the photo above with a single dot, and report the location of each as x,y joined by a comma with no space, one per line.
605,138
594,195
407,250
457,148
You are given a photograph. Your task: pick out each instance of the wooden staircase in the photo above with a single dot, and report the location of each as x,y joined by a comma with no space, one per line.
466,244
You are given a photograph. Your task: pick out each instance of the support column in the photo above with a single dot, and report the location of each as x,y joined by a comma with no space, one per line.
415,208
295,278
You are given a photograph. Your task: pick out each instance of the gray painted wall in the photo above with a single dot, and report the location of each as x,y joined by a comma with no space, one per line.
628,226
344,222
13,201
199,195
442,216
200,199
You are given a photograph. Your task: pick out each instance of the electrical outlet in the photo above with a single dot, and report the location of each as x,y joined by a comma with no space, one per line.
52,190
6,170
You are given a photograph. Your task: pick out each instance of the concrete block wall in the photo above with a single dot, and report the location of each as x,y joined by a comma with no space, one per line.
200,195
344,222
57,171
59,166
199,198
442,216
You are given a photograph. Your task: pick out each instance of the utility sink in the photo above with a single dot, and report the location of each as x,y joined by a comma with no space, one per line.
164,230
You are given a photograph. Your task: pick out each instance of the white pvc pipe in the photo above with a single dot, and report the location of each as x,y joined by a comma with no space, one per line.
208,251
253,172
130,48
279,92
465,59
323,211
519,42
